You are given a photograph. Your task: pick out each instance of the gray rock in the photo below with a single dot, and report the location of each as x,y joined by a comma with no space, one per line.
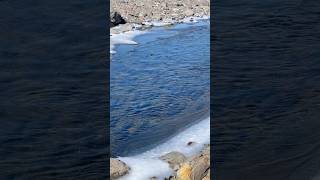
174,159
189,12
117,168
122,28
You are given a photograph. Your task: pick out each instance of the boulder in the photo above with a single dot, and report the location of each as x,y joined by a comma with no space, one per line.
117,168
197,167
174,159
116,19
207,177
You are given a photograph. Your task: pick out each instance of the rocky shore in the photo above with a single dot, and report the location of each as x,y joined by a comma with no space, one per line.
126,15
196,167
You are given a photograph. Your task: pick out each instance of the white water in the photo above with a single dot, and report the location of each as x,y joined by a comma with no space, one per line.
147,165
127,37
123,38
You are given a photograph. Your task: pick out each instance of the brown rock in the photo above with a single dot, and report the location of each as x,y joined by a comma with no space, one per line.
117,168
207,177
197,167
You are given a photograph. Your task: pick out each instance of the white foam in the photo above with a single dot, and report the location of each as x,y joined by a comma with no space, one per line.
123,38
194,19
145,168
127,37
146,165
158,23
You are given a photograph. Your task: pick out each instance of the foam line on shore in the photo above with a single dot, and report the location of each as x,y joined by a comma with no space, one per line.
123,38
147,164
127,37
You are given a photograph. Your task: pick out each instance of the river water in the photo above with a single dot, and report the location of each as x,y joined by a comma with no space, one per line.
265,79
159,87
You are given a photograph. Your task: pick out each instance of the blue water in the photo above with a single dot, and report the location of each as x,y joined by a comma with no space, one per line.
159,87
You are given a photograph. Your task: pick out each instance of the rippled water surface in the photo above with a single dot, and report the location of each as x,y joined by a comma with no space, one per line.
266,84
53,87
159,86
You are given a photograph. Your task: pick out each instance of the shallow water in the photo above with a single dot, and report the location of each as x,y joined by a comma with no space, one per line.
159,87
266,97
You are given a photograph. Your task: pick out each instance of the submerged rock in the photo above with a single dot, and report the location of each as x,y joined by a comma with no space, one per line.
117,168
174,159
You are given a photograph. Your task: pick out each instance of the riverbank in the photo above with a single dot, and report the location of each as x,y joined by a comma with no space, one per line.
186,156
126,15
196,167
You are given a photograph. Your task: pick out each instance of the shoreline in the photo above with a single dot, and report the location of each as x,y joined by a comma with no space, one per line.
181,167
128,15
187,155
125,33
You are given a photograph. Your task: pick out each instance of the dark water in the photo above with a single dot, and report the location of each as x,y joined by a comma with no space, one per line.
53,86
266,90
159,87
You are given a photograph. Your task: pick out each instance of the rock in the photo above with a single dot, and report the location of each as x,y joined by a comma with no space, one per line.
184,172
189,12
139,11
174,159
200,167
171,178
204,2
207,177
206,150
197,167
190,143
116,19
117,168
